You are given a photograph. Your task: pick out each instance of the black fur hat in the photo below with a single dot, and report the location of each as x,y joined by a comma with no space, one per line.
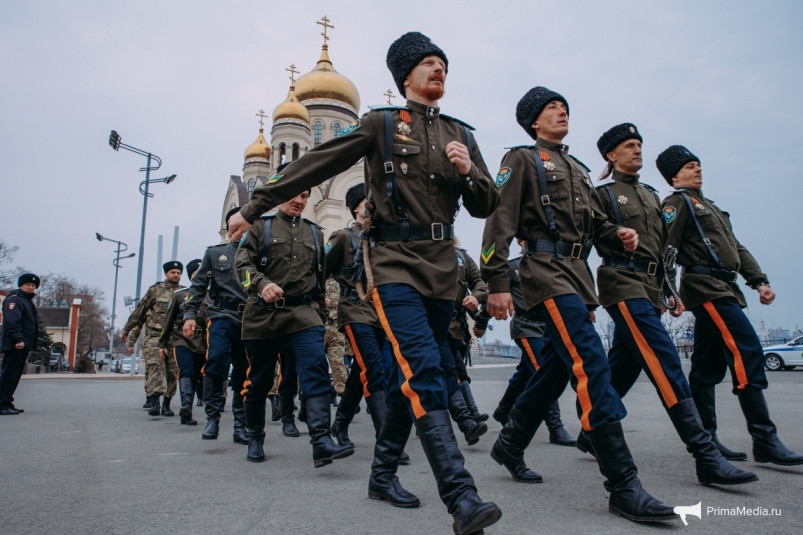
532,103
192,267
25,278
354,197
230,213
406,52
672,160
173,264
616,135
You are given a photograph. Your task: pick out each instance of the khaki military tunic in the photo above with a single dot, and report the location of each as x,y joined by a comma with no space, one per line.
173,335
521,214
640,210
430,186
695,288
339,259
292,265
468,278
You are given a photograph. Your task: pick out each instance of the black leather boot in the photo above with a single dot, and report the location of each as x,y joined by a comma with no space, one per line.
557,433
628,498
705,400
324,449
166,411
712,467
376,402
289,428
470,428
515,387
213,405
465,389
767,447
275,409
508,450
584,443
253,415
256,439
155,409
340,428
455,485
199,392
384,484
186,391
240,435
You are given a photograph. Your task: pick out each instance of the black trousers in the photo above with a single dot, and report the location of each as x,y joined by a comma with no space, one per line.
13,365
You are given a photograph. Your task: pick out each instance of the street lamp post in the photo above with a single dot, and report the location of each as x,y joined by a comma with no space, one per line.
116,144
121,248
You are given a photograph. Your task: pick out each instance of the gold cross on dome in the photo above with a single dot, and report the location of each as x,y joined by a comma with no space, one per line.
292,70
325,25
261,116
389,94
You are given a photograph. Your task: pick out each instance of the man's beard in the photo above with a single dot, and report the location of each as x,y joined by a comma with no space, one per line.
434,93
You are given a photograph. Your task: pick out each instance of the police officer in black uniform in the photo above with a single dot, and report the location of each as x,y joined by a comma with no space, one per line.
20,331
217,279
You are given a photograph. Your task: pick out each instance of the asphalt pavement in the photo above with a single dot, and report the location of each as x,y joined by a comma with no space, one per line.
84,458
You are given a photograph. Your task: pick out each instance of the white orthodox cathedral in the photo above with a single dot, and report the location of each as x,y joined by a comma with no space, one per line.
318,106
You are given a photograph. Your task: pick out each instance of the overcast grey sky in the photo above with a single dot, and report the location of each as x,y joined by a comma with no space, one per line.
183,79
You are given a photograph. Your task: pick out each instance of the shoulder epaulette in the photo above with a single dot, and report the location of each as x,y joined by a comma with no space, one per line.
268,216
606,183
581,163
458,121
180,290
386,107
217,245
312,223
652,189
679,191
517,147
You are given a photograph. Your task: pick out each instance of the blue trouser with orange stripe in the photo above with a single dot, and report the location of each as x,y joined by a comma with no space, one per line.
725,338
576,345
185,360
640,341
547,378
367,343
415,326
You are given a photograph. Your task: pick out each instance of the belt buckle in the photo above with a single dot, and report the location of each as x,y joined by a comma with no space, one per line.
279,303
544,200
437,231
652,268
577,251
240,308
199,332
734,276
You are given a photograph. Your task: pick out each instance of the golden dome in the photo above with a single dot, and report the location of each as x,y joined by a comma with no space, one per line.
291,109
324,82
259,148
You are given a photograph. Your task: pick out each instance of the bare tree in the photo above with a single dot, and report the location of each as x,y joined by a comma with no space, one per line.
7,253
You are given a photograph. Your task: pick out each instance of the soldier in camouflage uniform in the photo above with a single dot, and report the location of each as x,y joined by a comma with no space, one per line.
149,316
334,342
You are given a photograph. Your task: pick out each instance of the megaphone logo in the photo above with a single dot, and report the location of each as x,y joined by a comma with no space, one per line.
684,510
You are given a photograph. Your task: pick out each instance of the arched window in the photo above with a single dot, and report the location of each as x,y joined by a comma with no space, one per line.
295,152
282,149
318,133
336,129
251,184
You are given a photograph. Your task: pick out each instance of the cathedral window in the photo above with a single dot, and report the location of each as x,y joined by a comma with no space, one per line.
282,149
295,151
318,133
251,184
336,129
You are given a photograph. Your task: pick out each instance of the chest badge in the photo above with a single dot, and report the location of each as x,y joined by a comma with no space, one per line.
403,167
622,199
222,258
549,165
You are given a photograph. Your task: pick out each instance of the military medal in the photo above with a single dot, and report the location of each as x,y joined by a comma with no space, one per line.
222,258
403,167
403,127
621,199
549,166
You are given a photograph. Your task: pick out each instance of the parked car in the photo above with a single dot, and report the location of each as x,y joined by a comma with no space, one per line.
54,362
784,356
65,364
125,366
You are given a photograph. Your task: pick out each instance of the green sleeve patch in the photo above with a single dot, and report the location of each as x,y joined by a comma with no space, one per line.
486,254
274,178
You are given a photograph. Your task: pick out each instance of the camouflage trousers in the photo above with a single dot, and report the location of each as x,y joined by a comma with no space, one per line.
334,343
160,374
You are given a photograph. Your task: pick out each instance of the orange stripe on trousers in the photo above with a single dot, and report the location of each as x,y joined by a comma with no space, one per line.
203,368
407,390
530,354
738,363
577,367
175,359
649,356
360,361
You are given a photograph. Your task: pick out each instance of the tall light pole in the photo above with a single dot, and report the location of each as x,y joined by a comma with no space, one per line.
121,248
116,144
